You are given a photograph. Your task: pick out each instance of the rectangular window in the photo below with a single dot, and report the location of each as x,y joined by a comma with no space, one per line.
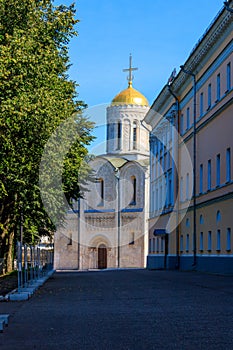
209,240
201,179
228,246
201,104
153,245
157,200
181,189
201,241
187,242
228,165
188,118
156,146
181,243
181,124
187,186
209,96
169,192
153,202
218,247
229,76
209,175
150,248
218,87
218,170
162,244
161,197
157,244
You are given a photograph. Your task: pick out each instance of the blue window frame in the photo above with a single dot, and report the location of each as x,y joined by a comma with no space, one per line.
209,175
181,189
201,241
218,91
228,165
229,76
181,243
218,170
209,95
187,186
188,118
187,242
218,247
209,240
201,179
181,124
228,246
201,104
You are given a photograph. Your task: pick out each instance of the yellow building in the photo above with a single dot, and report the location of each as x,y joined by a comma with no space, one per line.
191,146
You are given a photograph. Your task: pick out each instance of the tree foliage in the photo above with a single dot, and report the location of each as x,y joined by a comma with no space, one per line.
36,96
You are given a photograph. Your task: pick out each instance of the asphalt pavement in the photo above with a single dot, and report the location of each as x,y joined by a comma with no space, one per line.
124,309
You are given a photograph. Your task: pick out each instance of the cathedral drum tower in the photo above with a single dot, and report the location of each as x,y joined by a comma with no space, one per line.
126,136
109,229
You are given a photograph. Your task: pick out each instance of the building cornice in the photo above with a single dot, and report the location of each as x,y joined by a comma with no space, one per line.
199,52
204,45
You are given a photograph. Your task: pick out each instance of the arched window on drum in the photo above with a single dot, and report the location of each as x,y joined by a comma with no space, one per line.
135,135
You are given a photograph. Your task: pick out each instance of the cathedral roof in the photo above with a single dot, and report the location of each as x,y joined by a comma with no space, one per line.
116,162
130,96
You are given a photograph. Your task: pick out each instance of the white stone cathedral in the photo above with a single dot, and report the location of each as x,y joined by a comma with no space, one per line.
109,227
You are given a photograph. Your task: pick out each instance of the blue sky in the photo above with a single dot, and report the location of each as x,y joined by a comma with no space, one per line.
160,34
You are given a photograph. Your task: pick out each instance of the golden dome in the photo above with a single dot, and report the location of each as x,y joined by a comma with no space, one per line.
130,96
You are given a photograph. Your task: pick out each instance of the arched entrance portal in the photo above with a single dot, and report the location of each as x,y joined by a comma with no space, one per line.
102,257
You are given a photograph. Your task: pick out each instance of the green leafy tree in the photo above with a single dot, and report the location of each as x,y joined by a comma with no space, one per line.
36,96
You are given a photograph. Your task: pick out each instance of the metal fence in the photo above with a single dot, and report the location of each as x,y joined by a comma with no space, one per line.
33,262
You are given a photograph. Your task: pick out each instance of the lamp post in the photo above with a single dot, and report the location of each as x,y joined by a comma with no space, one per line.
194,162
227,6
117,175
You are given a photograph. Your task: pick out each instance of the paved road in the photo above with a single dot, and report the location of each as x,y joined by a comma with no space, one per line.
131,309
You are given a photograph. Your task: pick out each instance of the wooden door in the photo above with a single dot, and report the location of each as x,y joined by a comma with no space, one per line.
102,257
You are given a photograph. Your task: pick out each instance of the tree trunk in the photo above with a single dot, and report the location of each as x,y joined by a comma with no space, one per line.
9,252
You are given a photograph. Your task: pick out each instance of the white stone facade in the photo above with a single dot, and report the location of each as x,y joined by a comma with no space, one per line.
108,229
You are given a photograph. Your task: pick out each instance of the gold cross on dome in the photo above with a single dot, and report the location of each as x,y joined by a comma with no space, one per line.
130,70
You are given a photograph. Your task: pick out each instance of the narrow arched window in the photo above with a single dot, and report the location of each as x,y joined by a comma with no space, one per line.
134,194
135,131
101,191
131,238
201,219
119,131
218,216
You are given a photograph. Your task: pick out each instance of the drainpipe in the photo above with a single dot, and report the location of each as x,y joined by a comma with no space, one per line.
194,162
177,178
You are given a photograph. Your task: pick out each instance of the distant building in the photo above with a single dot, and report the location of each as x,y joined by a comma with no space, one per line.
109,227
191,200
